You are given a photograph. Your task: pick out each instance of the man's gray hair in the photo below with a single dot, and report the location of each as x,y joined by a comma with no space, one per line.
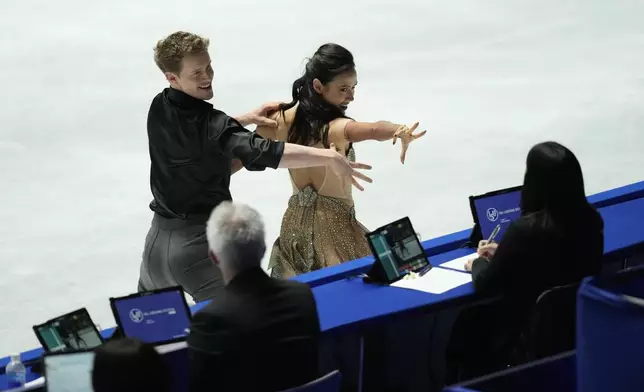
236,235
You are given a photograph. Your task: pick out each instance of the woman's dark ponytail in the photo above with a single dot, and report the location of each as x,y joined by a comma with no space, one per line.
297,87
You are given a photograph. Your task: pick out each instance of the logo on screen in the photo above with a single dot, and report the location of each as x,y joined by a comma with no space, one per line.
136,315
492,214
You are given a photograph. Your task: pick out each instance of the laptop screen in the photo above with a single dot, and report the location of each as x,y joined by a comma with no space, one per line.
69,372
397,247
154,317
72,331
503,208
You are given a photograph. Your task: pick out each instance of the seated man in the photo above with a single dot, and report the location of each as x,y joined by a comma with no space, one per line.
262,333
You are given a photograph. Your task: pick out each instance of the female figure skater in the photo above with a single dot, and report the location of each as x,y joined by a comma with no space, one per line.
319,228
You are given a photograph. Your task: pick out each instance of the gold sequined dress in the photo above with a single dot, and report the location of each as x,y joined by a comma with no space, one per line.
319,228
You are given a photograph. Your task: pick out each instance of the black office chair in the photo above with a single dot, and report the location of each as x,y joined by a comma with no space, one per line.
550,329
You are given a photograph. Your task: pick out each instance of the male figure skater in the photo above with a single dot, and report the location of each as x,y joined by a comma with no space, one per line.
192,150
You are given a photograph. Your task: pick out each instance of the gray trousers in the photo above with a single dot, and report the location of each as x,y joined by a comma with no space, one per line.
176,254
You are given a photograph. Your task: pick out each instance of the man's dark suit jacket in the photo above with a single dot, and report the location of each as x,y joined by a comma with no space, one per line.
261,334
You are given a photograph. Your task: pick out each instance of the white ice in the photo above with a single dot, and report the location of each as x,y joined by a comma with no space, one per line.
487,79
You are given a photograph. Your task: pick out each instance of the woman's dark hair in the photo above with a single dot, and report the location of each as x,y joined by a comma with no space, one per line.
553,183
314,112
126,365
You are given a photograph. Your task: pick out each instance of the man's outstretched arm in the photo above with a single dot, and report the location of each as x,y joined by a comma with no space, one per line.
257,153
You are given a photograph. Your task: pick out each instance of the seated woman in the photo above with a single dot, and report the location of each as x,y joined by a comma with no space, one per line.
558,240
319,228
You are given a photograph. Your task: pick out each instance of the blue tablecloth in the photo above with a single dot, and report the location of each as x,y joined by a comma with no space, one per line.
349,302
624,228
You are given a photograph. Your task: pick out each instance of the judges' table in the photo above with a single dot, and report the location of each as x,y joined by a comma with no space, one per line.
345,302
348,302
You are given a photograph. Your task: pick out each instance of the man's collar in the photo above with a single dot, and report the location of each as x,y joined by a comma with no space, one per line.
247,279
186,101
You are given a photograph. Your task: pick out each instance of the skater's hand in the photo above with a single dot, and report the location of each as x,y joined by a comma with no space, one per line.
343,167
406,135
261,115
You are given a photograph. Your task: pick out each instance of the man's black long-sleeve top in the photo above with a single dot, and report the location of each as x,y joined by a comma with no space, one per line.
192,146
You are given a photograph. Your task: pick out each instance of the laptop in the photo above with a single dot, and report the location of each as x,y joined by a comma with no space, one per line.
397,251
494,209
156,317
71,331
69,371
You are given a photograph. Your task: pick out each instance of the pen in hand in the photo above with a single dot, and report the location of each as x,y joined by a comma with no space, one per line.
490,240
495,232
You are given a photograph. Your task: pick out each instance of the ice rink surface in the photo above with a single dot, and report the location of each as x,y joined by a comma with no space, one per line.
487,79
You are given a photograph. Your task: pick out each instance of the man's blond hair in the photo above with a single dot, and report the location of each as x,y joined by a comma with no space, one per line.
169,51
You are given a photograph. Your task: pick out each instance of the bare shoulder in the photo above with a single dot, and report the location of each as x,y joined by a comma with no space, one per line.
339,124
274,133
289,115
337,134
284,120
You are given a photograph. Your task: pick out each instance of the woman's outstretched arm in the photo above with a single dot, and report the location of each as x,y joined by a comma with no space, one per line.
345,131
356,132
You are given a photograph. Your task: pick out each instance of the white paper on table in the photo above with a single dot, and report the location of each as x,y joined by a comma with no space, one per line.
459,264
436,281
35,383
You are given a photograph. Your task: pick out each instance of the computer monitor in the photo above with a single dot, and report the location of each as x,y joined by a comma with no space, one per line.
397,250
71,331
500,207
69,371
156,317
